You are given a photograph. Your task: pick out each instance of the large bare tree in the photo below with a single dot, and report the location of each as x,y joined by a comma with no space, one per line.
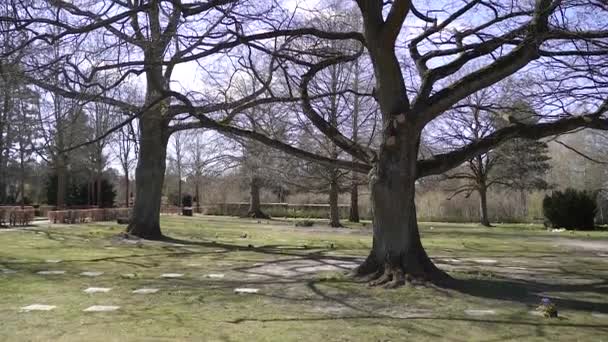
417,54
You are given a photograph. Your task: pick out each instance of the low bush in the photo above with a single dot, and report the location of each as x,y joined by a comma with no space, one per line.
88,215
16,216
570,209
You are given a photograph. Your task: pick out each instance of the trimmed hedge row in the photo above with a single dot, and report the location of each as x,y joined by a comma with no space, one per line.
87,215
15,216
276,210
71,216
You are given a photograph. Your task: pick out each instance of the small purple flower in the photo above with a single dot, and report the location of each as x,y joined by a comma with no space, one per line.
545,301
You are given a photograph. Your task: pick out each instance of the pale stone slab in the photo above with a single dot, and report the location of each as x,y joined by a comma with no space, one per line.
98,289
479,312
50,272
53,261
536,313
599,315
172,275
215,275
101,308
452,260
193,265
38,307
128,275
246,290
145,291
91,274
485,261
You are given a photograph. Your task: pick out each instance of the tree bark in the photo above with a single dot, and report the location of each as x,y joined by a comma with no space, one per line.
397,253
483,205
98,183
197,193
126,190
149,178
353,215
334,210
61,181
255,209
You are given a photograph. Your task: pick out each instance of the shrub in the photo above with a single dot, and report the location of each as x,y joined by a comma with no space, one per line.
88,215
570,209
187,201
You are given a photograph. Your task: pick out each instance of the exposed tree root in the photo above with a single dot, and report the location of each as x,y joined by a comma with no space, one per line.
144,233
397,272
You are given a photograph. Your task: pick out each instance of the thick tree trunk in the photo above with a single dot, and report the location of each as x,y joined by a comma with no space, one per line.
397,253
149,178
353,215
483,206
255,209
334,210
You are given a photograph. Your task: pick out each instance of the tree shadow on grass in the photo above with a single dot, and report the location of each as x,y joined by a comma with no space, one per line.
530,292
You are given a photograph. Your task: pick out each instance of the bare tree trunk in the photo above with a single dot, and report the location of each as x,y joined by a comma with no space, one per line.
334,210
99,174
483,205
149,178
127,189
523,203
255,209
61,181
353,215
397,253
22,176
197,194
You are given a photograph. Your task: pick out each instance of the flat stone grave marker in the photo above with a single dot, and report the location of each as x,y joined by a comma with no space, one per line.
145,291
480,312
50,272
536,313
38,307
246,290
214,275
171,275
101,308
485,261
193,265
599,314
53,261
91,274
128,275
98,289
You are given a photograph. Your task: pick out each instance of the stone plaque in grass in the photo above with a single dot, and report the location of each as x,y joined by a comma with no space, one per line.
101,308
97,290
480,312
246,290
145,291
91,274
38,307
171,275
50,272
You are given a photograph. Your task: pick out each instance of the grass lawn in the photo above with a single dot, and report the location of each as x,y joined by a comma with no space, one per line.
303,294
